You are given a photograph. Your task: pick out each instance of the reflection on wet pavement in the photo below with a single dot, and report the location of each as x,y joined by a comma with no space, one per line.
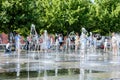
51,66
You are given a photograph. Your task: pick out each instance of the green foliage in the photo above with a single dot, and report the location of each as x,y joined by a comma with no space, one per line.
62,16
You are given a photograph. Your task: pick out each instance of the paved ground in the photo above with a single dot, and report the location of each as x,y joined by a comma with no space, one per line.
35,60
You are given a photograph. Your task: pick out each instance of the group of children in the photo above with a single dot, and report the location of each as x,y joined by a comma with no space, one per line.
108,43
79,42
17,44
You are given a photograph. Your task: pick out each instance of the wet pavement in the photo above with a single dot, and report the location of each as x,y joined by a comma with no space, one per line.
96,64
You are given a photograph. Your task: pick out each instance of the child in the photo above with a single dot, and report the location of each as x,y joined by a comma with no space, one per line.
105,45
8,49
114,44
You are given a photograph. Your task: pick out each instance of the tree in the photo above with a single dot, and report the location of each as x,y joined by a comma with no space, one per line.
61,16
17,15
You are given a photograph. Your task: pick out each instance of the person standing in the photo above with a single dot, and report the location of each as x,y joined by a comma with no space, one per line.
0,40
106,45
94,43
114,44
60,39
77,41
90,40
17,42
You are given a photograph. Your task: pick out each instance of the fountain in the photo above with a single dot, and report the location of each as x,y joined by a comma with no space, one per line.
100,63
57,61
45,39
34,38
118,43
18,51
83,41
57,44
